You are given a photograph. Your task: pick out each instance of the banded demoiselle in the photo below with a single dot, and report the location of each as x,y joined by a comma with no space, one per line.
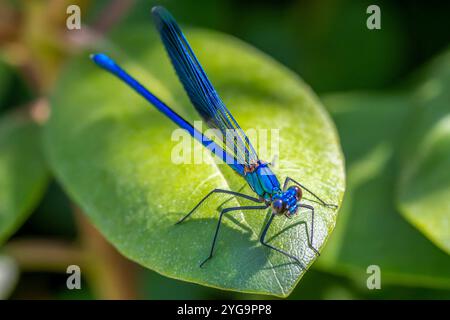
245,162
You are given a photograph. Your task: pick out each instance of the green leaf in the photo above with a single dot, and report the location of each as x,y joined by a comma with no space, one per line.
424,189
112,153
370,230
23,174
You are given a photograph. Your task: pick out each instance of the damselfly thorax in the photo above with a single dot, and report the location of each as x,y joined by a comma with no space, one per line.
265,184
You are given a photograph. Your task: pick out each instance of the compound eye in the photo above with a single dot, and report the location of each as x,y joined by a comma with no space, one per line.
298,192
278,206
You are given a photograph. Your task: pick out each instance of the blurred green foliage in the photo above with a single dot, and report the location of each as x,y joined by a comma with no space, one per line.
22,182
370,229
392,140
327,41
424,190
13,89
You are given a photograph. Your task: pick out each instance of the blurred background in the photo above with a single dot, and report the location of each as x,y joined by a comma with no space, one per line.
375,74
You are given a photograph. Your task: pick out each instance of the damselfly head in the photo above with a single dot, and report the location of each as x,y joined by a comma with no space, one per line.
286,202
281,207
297,192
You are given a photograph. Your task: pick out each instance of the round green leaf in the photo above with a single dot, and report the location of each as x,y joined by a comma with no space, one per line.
424,189
23,174
112,153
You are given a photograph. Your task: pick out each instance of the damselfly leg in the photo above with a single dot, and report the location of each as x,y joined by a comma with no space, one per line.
308,238
328,205
237,194
264,243
220,221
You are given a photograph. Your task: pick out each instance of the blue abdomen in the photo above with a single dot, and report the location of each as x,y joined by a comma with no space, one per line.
263,181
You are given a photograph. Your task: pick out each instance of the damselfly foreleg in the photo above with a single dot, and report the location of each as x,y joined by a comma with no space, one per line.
329,205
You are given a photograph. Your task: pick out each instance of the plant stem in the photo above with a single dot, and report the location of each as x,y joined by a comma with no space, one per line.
111,275
44,254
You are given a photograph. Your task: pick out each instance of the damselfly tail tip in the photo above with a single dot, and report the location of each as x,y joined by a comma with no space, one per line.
102,60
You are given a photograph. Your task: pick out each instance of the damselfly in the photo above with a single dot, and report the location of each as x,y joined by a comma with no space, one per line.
257,173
